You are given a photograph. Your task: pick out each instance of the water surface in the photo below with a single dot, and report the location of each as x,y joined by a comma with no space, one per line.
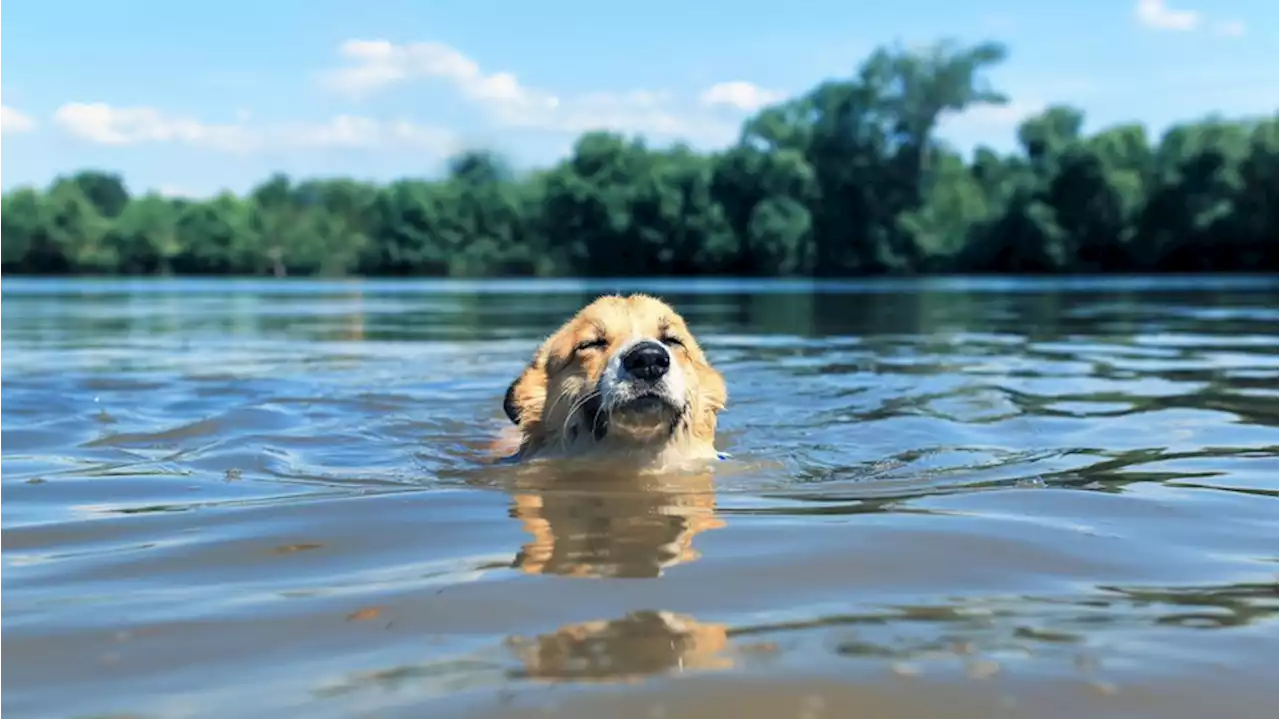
961,497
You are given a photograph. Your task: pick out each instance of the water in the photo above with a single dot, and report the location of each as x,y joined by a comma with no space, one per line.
977,498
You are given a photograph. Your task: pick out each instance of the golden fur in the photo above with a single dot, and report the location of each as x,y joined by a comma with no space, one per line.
572,400
625,650
610,528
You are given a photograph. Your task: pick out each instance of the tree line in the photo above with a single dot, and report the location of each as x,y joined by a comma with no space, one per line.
848,179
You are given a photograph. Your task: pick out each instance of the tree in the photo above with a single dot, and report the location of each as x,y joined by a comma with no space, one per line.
848,178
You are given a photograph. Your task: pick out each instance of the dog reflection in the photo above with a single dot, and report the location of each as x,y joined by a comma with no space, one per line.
638,645
634,527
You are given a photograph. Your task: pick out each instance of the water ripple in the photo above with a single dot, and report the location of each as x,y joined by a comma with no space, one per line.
214,486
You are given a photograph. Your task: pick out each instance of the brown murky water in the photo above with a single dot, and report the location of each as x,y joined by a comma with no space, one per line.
962,499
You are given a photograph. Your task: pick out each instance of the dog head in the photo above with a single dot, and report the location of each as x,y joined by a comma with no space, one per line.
623,376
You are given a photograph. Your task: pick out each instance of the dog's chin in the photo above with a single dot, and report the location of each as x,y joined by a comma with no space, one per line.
647,417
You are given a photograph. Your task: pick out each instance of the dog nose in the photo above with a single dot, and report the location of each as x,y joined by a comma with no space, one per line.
646,361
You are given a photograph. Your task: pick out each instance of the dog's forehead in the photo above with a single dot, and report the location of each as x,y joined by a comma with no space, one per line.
636,313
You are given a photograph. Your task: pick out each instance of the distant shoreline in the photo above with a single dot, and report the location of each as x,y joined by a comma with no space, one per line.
847,180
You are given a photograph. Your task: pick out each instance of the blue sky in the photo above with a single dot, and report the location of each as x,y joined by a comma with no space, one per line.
190,98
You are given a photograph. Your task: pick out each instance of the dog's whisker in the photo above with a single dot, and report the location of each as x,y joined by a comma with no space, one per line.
550,411
574,408
608,415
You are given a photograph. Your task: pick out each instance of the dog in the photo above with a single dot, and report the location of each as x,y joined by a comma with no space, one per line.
623,380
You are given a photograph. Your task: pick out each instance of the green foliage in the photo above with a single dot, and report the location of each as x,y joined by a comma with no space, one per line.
847,179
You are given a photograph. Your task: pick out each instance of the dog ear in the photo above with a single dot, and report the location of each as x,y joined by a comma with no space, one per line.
509,402
712,397
526,395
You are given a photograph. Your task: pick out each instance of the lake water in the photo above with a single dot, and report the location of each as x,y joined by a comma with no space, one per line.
965,498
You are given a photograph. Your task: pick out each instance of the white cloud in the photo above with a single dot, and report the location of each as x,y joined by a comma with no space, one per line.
1157,15
104,124
1230,28
374,65
739,94
639,113
351,131
13,121
378,64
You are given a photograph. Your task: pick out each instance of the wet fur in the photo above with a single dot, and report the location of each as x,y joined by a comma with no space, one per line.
555,402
